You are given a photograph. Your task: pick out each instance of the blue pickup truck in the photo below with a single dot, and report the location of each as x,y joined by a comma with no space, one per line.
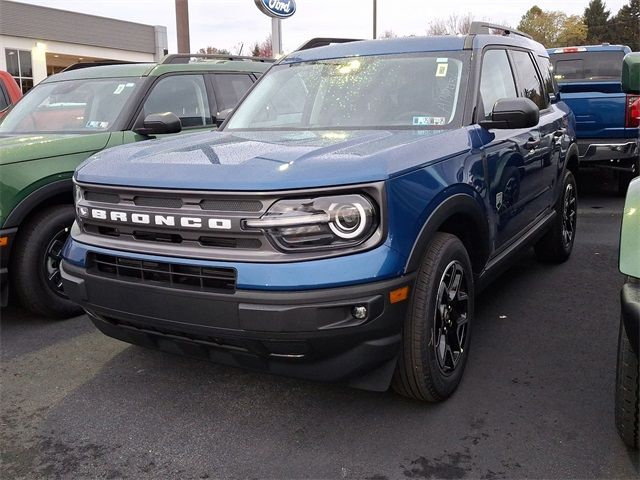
589,78
339,224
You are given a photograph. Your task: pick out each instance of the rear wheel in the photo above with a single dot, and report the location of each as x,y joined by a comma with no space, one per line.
436,332
35,263
557,243
627,391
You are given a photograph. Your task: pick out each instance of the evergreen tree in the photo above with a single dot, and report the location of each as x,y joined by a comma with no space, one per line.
625,26
596,18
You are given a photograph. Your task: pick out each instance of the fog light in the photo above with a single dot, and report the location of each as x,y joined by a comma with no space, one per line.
359,312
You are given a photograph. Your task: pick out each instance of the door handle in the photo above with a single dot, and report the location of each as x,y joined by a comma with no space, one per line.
532,144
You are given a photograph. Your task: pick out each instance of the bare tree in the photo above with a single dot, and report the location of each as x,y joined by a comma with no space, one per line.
388,34
455,24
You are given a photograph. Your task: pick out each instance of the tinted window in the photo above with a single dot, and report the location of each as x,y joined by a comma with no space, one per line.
230,89
529,85
587,66
4,98
497,80
547,75
184,95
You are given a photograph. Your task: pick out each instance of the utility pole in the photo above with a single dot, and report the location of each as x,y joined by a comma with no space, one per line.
182,26
375,19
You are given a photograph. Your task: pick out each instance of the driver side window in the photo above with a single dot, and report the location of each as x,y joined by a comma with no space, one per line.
496,81
183,95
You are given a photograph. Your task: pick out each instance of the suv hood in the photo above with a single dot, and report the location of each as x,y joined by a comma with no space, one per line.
22,148
271,160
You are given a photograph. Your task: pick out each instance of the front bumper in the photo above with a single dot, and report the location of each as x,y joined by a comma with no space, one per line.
617,154
630,303
309,334
5,251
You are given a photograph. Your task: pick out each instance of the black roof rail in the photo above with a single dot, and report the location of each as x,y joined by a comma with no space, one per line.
478,28
178,58
97,63
324,41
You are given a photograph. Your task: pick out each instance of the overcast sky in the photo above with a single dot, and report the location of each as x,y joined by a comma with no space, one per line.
228,23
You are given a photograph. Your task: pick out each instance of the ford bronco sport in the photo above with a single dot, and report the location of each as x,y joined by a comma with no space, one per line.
74,114
339,224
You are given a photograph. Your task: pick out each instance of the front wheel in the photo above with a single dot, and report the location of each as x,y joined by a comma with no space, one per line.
557,243
35,263
627,391
436,332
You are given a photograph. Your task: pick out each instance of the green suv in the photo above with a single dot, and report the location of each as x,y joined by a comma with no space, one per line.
71,116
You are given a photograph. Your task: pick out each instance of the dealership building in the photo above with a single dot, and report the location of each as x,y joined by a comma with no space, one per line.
39,41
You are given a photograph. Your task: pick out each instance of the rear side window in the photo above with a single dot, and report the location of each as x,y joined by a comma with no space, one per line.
587,66
529,85
547,75
230,89
496,81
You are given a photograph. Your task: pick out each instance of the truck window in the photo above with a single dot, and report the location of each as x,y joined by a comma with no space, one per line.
496,81
230,88
529,84
587,66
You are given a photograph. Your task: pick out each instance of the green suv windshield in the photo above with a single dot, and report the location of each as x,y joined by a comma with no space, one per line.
72,106
386,91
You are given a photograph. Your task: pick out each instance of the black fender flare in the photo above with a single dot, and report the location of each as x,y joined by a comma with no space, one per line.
459,203
26,206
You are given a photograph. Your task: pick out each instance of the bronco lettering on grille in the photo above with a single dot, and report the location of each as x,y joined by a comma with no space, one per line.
160,220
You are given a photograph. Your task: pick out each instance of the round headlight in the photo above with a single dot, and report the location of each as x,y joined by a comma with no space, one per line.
349,220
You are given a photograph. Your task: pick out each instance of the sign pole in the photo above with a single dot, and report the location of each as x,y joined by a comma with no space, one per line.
276,37
375,19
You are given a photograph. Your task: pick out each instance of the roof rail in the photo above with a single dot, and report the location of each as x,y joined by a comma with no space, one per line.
478,28
97,63
324,41
186,58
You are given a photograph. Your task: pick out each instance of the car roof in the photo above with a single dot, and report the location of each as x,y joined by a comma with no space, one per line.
412,45
124,70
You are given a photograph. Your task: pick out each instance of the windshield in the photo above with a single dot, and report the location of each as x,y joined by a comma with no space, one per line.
387,91
72,106
587,66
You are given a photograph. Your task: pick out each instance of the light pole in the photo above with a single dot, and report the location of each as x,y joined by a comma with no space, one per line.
375,19
182,26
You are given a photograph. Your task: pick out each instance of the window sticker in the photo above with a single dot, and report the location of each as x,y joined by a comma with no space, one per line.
119,89
441,70
442,60
429,121
97,124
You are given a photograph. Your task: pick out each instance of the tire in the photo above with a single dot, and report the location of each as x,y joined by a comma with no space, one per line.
30,267
627,391
423,373
557,243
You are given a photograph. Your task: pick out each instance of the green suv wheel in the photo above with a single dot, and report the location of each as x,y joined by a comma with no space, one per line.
35,264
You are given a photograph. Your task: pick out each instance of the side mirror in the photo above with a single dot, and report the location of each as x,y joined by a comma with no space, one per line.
631,73
512,113
160,124
223,115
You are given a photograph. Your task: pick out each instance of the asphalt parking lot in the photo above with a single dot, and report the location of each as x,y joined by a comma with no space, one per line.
536,400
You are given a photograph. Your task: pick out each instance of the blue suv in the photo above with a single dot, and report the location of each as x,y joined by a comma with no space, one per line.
339,224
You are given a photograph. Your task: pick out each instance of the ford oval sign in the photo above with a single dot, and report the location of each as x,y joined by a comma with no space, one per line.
277,8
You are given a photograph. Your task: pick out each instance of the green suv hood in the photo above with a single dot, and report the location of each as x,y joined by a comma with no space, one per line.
22,148
630,237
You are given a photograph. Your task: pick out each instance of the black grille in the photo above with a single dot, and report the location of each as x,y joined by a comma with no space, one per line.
232,205
167,274
162,202
101,197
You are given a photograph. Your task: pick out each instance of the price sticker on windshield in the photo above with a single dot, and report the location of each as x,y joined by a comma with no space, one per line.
441,70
